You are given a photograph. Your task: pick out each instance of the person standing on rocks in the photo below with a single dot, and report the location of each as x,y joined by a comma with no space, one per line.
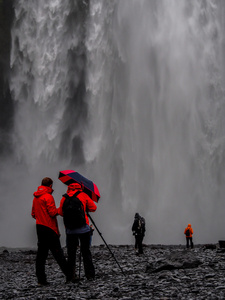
73,207
45,212
189,232
138,229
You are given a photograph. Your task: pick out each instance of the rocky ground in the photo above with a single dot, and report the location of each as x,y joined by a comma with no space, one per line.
163,272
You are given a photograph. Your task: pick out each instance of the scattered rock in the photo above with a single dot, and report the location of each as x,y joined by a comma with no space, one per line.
222,244
177,260
163,272
4,253
209,246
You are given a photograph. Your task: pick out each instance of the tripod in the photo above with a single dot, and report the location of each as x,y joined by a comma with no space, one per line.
105,242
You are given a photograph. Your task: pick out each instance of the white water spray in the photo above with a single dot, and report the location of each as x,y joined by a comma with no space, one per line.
148,126
156,79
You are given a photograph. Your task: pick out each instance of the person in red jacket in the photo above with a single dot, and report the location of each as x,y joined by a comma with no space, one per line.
80,234
189,232
45,212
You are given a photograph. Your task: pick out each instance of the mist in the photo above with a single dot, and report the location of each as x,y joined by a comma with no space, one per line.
129,93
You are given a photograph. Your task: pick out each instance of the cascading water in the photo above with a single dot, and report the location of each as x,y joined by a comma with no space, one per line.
47,69
130,94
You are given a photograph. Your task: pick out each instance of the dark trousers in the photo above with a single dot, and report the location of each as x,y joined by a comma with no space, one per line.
48,240
72,244
189,239
138,243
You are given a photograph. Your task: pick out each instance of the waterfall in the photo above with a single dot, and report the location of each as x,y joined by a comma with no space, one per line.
130,93
160,67
47,70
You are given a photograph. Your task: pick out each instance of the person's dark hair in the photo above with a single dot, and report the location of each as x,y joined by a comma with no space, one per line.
47,181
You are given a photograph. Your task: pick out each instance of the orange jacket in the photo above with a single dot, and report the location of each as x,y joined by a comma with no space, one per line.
88,203
44,209
190,230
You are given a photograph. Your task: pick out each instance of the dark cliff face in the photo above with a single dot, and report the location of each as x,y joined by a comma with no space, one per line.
6,104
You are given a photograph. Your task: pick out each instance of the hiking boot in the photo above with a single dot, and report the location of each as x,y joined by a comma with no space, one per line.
75,279
68,281
43,283
90,278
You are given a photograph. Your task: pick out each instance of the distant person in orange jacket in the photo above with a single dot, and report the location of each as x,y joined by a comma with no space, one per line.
189,232
44,212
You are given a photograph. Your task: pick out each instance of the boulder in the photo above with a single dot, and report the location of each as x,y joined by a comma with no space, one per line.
222,244
177,260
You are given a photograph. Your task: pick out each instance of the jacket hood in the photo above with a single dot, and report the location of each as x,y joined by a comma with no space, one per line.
74,187
189,225
43,190
137,216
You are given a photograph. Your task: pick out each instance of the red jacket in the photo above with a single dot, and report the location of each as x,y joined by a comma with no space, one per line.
88,203
44,209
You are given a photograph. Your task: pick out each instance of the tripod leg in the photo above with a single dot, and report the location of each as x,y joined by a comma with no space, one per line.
105,243
79,264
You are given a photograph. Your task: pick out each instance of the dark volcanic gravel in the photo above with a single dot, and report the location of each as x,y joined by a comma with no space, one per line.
163,272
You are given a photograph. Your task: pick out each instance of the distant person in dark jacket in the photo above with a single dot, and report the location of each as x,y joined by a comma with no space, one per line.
44,212
138,229
189,232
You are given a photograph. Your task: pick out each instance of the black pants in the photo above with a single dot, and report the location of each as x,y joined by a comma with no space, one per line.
138,243
48,240
189,239
72,244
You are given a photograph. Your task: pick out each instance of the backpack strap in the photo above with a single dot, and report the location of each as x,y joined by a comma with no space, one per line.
75,195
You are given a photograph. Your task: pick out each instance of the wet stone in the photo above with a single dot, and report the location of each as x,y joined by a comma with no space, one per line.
163,272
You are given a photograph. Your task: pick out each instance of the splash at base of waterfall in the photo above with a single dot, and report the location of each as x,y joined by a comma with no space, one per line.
130,94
